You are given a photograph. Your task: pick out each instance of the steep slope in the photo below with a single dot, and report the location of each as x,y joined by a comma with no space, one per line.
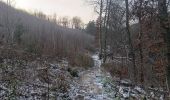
39,34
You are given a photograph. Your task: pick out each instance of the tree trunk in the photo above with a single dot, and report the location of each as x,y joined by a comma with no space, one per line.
140,45
130,41
165,30
100,31
106,32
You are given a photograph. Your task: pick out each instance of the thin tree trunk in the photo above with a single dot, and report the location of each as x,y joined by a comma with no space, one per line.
106,32
100,31
103,43
130,41
163,14
140,45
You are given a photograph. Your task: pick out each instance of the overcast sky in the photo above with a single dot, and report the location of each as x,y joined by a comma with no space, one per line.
61,7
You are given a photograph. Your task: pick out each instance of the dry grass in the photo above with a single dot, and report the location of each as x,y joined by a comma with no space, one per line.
116,70
81,60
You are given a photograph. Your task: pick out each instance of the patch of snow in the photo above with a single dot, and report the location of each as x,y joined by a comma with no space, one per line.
140,90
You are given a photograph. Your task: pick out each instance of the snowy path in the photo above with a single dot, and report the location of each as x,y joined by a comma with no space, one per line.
90,84
94,84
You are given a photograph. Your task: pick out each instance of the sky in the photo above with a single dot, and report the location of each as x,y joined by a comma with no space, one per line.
70,8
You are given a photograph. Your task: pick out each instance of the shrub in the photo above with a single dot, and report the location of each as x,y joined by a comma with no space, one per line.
18,33
81,60
113,70
116,69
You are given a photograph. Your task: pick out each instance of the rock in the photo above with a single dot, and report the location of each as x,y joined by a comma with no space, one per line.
73,73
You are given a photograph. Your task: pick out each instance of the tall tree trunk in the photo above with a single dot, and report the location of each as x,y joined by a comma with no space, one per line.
105,18
140,45
165,29
100,31
130,41
106,31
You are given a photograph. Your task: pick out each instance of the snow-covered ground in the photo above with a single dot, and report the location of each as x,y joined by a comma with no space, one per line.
92,84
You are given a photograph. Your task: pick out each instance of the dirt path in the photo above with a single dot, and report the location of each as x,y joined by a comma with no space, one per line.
94,84
90,84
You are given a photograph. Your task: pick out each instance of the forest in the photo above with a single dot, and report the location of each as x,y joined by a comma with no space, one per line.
123,54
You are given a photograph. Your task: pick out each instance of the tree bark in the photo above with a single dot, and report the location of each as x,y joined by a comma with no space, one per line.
100,31
165,30
141,45
130,41
106,31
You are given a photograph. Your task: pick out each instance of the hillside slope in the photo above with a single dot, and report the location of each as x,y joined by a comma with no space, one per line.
39,34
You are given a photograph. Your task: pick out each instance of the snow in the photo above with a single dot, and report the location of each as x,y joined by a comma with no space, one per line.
93,84
140,90
94,79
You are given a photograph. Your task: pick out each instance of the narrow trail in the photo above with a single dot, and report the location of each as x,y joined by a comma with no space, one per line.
94,84
90,84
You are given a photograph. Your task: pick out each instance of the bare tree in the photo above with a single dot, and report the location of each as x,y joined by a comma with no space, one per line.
9,23
76,22
107,17
65,21
165,29
100,28
130,41
141,42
